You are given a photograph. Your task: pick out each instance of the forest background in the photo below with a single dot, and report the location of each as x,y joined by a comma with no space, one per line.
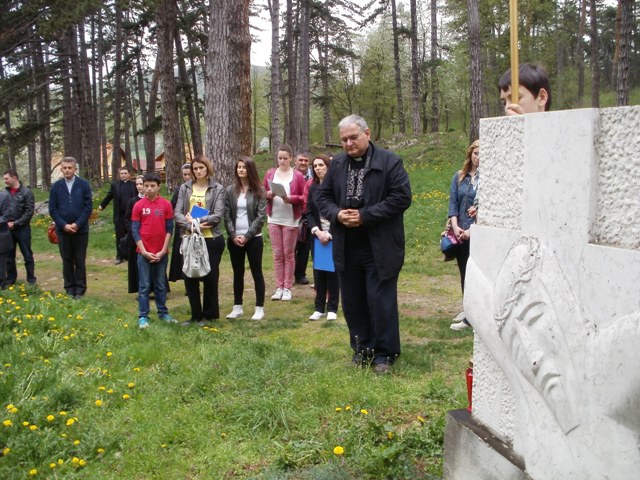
167,79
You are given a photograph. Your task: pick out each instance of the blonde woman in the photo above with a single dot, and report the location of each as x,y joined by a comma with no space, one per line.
462,196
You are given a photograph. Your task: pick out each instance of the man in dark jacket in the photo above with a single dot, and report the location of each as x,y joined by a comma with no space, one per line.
21,212
6,242
121,192
70,206
364,195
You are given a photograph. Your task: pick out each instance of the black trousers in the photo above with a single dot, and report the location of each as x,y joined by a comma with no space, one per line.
209,307
462,257
303,247
121,231
73,250
253,251
370,306
22,239
327,290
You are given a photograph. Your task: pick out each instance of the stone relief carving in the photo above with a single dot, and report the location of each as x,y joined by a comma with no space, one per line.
577,391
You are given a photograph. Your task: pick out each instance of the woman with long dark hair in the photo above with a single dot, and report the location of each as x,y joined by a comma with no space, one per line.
203,191
326,283
245,214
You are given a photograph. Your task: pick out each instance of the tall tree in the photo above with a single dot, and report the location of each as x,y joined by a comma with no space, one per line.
228,86
292,127
274,95
415,70
626,26
396,67
118,81
475,69
173,145
595,63
433,74
580,49
304,73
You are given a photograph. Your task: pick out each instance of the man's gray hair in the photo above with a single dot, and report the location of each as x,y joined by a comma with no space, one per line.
351,119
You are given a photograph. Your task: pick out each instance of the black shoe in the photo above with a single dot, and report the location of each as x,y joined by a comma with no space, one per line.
302,281
118,261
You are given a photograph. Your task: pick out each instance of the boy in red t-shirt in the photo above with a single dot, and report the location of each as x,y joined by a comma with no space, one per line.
151,227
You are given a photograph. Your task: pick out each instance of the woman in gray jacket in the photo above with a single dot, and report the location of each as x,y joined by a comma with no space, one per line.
204,192
244,216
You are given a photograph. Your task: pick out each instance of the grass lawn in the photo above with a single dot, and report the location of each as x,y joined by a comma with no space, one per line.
84,394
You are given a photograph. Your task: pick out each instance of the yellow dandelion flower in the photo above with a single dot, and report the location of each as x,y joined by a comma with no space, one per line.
100,451
98,403
33,428
338,450
66,337
25,424
420,419
33,472
82,462
63,413
60,461
338,409
126,396
13,410
6,451
136,369
76,442
75,460
10,406
110,390
102,389
163,445
223,435
50,418
109,354
364,412
131,384
347,408
390,435
53,465
70,422
52,319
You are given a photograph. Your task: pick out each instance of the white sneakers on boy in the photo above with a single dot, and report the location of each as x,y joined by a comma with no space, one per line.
332,316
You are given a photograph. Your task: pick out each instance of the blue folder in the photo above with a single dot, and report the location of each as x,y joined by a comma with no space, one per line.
198,212
323,256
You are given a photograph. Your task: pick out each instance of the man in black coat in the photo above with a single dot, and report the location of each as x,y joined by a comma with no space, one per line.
121,192
22,208
6,241
364,195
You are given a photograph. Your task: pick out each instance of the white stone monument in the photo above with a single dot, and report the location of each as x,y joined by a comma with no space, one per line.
553,293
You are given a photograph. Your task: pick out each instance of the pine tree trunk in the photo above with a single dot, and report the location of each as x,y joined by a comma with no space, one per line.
187,89
275,98
622,86
9,152
228,86
595,63
102,122
580,50
304,73
435,90
415,71
118,80
475,70
292,128
173,145
396,67
324,82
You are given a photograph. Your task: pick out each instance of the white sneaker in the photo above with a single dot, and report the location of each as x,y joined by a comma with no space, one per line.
316,315
332,316
278,294
286,295
459,325
236,312
460,317
259,315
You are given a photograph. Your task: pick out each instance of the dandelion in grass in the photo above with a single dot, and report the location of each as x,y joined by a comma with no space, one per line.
126,396
33,472
60,461
64,435
82,462
100,451
347,408
131,385
338,409
33,428
25,424
223,435
338,450
70,422
6,451
50,418
53,465
420,419
163,445
136,369
76,442
109,354
75,460
364,411
389,435
110,391
62,413
101,388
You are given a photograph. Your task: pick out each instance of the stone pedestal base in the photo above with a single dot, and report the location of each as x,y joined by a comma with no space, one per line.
473,452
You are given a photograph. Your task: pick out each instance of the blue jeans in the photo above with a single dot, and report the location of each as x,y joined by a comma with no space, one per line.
152,274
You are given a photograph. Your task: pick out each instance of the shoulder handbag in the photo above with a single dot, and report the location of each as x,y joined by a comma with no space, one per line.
448,242
195,263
